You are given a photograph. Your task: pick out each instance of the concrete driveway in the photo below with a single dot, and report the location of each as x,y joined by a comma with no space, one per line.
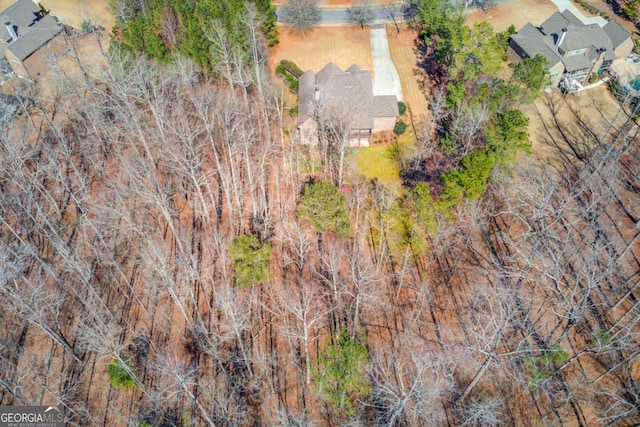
566,4
386,80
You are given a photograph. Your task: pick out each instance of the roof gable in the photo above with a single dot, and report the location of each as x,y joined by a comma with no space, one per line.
327,72
347,94
616,33
569,16
306,95
533,42
585,36
554,24
354,69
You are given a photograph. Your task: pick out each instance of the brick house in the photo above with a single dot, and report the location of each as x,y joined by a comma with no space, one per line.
347,95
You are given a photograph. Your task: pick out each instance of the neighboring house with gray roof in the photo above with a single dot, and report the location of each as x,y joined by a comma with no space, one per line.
30,38
344,99
575,51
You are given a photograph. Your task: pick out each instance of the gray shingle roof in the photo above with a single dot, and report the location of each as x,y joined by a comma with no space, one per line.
343,92
353,69
554,24
34,37
306,95
571,17
591,40
385,106
581,61
616,33
587,36
21,14
559,20
351,95
532,42
327,72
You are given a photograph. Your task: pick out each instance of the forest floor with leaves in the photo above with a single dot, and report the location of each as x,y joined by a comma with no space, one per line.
118,219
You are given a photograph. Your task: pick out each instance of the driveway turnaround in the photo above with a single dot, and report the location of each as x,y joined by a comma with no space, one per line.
566,4
386,80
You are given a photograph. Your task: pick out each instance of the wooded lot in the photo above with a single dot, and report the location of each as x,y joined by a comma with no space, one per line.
167,260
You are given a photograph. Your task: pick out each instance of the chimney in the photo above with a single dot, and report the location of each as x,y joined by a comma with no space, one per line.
561,38
317,94
11,31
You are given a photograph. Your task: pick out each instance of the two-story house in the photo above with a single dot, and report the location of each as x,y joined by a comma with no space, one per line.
574,51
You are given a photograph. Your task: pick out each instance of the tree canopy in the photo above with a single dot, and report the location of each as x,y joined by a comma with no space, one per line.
301,14
507,135
251,260
469,180
120,375
326,207
477,121
164,28
479,51
341,374
532,73
440,27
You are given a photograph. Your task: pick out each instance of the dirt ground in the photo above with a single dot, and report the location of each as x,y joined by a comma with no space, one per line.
593,104
73,12
401,48
85,56
343,46
517,13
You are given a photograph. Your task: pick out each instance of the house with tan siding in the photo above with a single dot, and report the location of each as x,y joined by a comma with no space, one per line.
574,50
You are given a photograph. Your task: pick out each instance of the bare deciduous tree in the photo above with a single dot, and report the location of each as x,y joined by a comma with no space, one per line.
408,384
486,5
362,13
393,13
302,15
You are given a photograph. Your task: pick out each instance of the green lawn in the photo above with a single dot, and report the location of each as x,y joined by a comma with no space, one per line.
378,160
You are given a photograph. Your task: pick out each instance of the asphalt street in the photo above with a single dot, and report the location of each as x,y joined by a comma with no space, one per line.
342,16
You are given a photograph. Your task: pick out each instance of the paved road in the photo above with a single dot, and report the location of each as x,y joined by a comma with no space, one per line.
341,16
386,80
